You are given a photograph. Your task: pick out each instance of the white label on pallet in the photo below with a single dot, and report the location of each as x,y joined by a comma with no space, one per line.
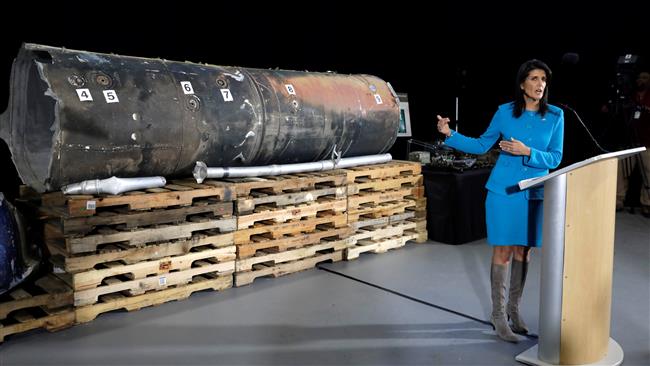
84,95
162,280
91,205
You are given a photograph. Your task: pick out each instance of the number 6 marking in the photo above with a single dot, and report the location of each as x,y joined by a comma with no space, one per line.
187,87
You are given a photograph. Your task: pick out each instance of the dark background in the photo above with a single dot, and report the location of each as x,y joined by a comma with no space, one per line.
433,52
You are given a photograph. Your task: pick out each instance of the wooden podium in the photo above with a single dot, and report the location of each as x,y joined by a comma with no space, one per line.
577,264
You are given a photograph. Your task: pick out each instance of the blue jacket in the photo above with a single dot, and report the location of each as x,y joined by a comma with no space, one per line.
544,136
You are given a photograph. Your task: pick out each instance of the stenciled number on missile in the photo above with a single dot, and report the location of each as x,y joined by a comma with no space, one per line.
378,99
84,95
290,89
111,96
227,96
187,87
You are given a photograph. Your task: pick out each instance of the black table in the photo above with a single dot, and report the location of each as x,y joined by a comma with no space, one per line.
455,204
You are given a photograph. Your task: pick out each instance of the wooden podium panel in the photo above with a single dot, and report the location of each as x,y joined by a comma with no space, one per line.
588,263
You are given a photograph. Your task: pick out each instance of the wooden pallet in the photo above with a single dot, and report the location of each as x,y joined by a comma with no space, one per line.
128,255
132,219
263,270
296,227
47,291
93,278
116,301
419,208
374,211
274,258
382,221
275,215
25,320
177,193
259,243
422,237
383,184
402,228
394,168
245,205
45,304
130,286
420,224
366,198
286,183
377,246
138,236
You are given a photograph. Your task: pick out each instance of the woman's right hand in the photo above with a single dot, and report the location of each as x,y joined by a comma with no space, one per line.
443,126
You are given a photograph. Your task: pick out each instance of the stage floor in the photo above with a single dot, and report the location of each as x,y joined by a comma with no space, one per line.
422,304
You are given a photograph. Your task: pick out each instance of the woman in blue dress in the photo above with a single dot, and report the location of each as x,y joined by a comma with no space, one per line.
532,134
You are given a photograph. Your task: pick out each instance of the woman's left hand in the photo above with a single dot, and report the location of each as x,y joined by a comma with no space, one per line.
514,147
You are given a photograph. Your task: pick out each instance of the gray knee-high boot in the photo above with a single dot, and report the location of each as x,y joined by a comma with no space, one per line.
498,274
518,273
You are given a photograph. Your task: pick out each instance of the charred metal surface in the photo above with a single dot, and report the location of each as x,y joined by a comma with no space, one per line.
144,118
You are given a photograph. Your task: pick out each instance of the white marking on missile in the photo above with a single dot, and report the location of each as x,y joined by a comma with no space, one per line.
249,134
237,75
246,102
89,57
240,156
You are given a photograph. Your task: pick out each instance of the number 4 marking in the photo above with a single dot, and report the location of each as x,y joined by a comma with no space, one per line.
84,95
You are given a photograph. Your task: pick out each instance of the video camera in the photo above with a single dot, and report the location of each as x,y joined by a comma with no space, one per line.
626,72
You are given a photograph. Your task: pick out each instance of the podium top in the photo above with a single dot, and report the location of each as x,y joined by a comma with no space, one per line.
531,182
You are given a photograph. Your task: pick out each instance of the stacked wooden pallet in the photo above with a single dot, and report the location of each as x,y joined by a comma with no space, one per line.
46,303
148,247
386,207
289,223
142,248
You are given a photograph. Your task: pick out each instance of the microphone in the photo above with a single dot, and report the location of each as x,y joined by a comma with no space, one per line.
583,125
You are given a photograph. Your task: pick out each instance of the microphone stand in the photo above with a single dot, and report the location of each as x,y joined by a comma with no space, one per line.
584,126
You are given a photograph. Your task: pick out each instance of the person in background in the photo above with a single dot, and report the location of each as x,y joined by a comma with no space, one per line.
532,134
639,129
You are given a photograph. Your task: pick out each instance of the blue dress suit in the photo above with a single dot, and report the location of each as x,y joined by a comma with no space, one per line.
514,217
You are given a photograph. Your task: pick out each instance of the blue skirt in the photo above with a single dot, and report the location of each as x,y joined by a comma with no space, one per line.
513,220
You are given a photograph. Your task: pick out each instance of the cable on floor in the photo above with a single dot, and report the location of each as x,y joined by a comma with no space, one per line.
530,335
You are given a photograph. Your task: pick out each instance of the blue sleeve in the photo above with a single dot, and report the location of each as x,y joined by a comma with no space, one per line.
476,145
550,158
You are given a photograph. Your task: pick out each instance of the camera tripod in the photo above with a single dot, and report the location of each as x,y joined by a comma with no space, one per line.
637,160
